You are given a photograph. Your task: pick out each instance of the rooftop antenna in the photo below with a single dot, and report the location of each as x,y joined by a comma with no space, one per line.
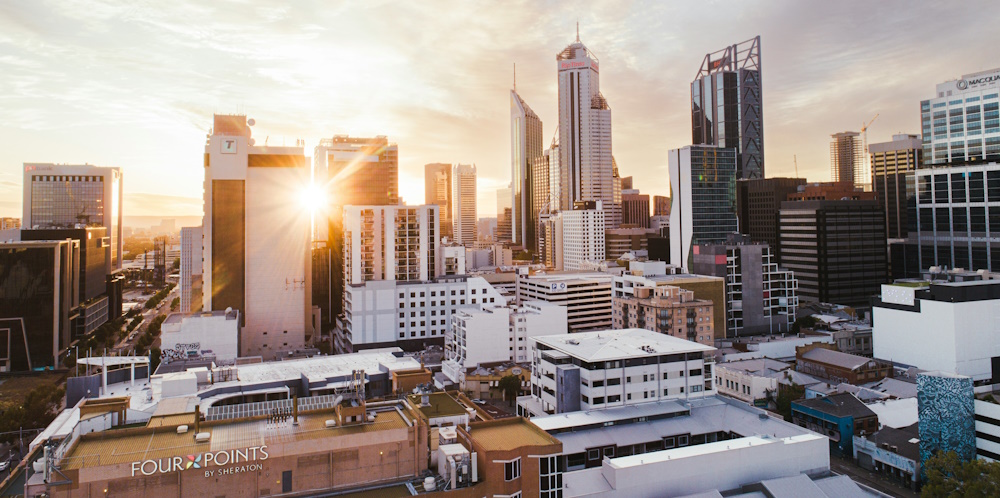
578,31
515,76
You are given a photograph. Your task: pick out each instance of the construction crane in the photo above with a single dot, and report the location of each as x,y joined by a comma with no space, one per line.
795,159
867,159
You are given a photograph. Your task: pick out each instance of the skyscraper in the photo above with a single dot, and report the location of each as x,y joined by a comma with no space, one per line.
635,209
525,149
256,236
463,202
758,201
847,158
505,214
391,243
962,122
703,197
437,190
661,205
726,105
191,255
63,196
893,164
356,172
583,235
586,170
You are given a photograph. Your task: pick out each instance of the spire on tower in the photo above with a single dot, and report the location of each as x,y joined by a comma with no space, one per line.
578,31
515,76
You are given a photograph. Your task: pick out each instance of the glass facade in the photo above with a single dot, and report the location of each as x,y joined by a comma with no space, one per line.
713,194
961,128
67,200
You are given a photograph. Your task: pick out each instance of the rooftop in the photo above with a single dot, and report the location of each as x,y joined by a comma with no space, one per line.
756,365
440,405
838,405
509,434
905,439
836,358
620,344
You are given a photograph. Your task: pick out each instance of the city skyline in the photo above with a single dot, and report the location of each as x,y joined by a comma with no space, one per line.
162,76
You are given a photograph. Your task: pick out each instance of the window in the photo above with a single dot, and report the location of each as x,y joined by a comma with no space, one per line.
550,477
615,398
614,382
598,383
682,440
512,469
593,454
599,400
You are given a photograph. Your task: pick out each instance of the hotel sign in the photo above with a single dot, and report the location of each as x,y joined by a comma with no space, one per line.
235,461
578,65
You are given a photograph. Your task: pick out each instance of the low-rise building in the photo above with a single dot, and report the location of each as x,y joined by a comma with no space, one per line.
668,310
652,274
894,453
777,347
753,381
825,362
211,335
483,381
597,370
586,296
839,417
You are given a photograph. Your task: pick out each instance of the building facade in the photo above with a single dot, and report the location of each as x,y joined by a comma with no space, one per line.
635,209
191,268
830,191
619,241
661,205
583,236
505,217
847,159
586,296
437,190
893,164
391,243
761,298
653,274
726,105
962,122
257,251
525,150
668,310
758,201
836,249
65,196
463,203
703,198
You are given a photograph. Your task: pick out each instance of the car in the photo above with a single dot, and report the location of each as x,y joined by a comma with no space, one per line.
4,464
479,401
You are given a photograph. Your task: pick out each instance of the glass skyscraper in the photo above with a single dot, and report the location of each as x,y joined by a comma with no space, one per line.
962,123
703,198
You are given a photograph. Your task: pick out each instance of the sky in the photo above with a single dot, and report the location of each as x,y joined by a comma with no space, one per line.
135,84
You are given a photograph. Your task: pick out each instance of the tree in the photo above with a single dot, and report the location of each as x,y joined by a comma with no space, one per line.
787,394
807,321
947,475
154,359
510,386
176,303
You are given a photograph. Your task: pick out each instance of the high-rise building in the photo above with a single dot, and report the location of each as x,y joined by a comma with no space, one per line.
847,160
550,244
665,309
654,274
761,298
541,192
661,205
758,201
635,209
837,249
525,150
583,235
437,190
191,256
38,298
586,296
356,172
463,202
256,238
726,105
552,155
893,164
703,198
65,196
505,216
962,123
618,241
391,243
626,183
585,162
830,191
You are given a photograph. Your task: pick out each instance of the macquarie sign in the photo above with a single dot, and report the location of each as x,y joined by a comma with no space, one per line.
979,80
234,461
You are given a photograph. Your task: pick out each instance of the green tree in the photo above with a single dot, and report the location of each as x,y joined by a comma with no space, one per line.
176,303
510,386
807,321
787,394
154,359
947,475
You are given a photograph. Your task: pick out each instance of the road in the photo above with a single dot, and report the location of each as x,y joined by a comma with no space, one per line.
873,480
147,317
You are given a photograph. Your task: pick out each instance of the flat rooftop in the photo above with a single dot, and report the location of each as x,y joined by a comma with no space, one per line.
571,276
441,404
620,344
509,434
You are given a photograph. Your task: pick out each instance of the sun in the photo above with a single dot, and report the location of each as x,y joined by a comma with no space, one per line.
313,198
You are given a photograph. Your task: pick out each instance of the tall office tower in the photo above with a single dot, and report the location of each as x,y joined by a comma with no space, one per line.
39,283
635,209
585,163
837,249
191,255
847,158
256,238
437,190
550,241
615,219
356,172
463,203
505,215
583,235
761,298
726,105
626,183
962,123
391,243
661,205
525,149
555,174
64,196
541,193
893,164
703,198
758,201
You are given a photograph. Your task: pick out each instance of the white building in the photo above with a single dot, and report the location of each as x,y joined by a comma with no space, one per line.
585,162
962,122
391,243
382,313
213,334
583,235
497,334
64,195
586,296
951,327
702,200
191,264
453,260
463,202
749,380
597,370
257,238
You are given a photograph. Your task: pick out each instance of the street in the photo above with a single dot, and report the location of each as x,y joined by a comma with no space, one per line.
875,481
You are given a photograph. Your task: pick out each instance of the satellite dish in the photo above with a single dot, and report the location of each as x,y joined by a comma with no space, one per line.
251,122
252,141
